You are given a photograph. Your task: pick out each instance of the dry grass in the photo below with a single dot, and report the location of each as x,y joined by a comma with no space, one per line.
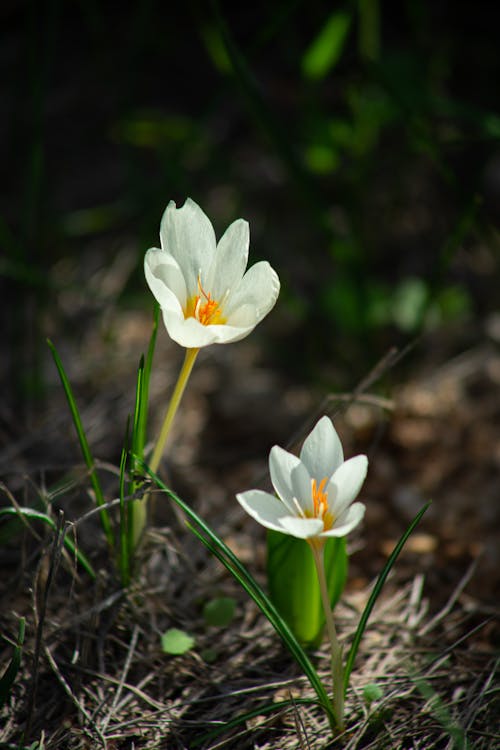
94,675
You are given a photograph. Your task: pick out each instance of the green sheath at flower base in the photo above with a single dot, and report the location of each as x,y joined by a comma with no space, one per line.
299,602
202,288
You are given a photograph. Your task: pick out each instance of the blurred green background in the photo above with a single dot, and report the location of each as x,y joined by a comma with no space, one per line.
360,139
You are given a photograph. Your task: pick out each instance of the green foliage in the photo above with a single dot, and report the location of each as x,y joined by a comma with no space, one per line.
176,642
372,692
219,612
325,51
85,448
293,583
132,513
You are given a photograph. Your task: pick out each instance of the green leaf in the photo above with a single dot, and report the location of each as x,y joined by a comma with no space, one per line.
125,555
176,642
137,512
209,655
299,600
326,50
372,692
375,594
219,612
105,520
8,677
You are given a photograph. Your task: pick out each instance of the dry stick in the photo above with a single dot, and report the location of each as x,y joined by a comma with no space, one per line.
300,729
391,358
128,662
67,689
54,562
452,600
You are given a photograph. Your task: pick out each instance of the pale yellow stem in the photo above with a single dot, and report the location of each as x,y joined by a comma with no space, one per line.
173,405
138,509
317,549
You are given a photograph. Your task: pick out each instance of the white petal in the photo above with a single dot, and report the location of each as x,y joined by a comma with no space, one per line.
322,450
188,235
346,524
162,270
281,465
190,333
230,259
302,528
245,317
347,481
264,507
259,287
302,487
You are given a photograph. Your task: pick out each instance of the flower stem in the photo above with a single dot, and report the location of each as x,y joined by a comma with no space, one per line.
180,386
335,647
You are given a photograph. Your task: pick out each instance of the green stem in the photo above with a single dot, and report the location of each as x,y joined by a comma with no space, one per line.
335,647
180,386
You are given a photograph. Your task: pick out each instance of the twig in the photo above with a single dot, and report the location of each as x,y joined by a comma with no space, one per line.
451,601
67,689
126,667
54,562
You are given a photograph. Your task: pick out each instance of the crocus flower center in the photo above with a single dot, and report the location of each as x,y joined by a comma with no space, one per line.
203,308
320,503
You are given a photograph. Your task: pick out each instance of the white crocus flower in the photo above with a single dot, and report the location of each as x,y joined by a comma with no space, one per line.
315,492
202,288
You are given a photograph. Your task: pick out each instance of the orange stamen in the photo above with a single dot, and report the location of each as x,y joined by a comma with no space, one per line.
205,309
320,502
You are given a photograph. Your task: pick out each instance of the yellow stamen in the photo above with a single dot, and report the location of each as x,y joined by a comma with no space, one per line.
320,503
203,308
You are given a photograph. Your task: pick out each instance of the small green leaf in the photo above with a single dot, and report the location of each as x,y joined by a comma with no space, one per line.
209,655
220,611
371,692
176,642
325,51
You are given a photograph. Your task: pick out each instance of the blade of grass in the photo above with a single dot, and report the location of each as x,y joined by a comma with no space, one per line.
223,553
261,711
125,551
137,517
440,711
8,677
375,594
140,439
104,515
137,510
39,516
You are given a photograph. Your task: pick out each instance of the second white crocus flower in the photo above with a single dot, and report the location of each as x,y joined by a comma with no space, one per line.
202,288
315,491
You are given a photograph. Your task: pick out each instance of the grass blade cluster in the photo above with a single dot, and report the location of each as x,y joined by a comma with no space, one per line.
137,512
39,516
87,455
